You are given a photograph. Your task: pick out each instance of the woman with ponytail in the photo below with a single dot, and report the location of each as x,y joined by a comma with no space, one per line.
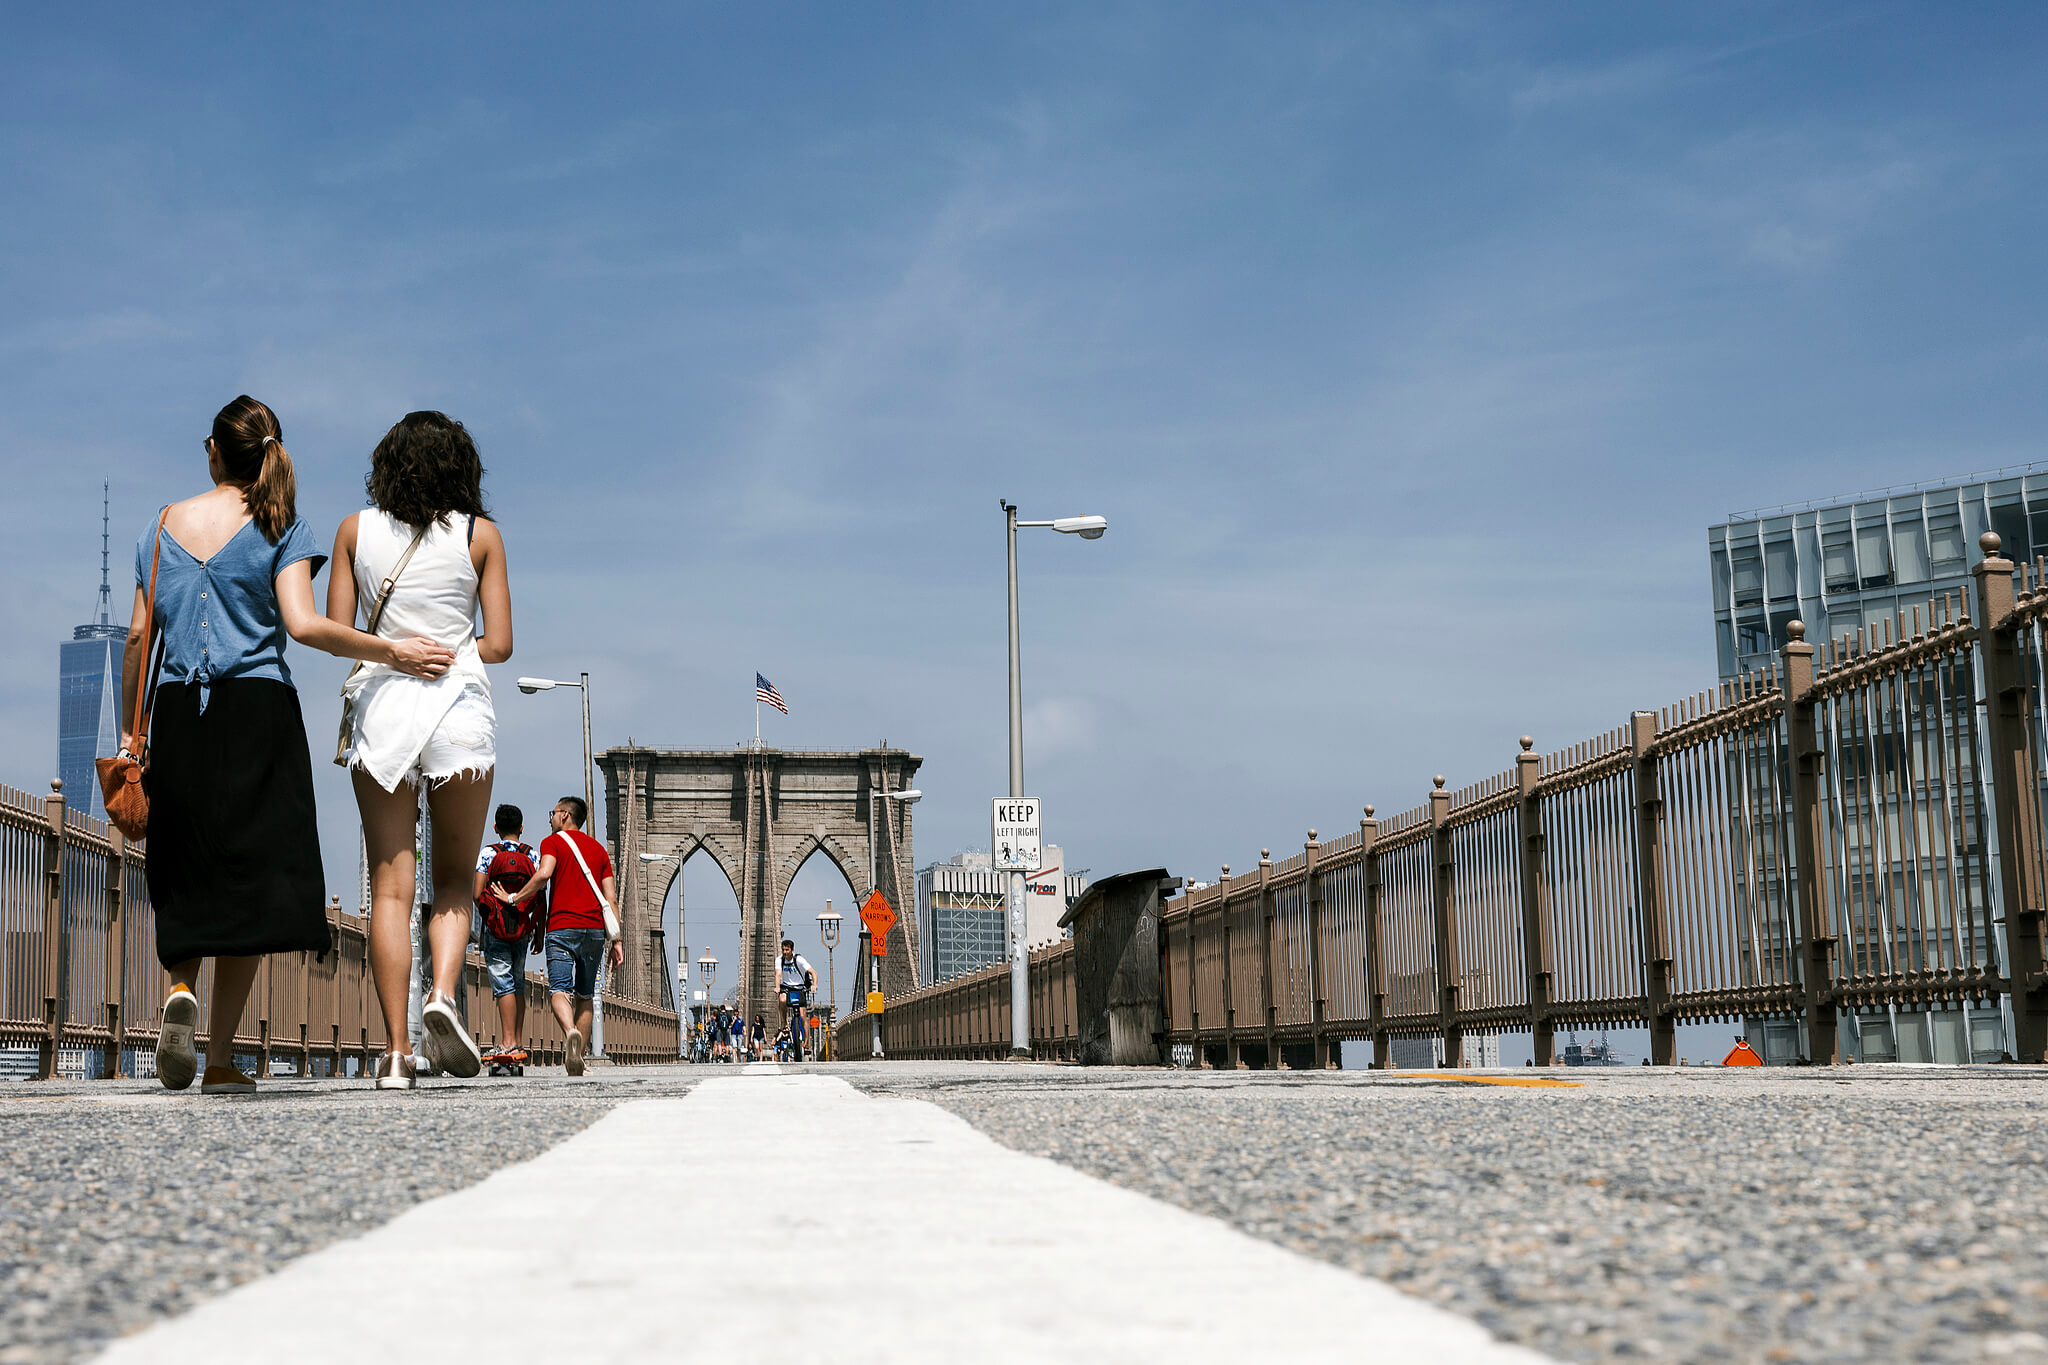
234,852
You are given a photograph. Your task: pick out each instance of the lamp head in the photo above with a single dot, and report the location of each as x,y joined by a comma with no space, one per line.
908,798
533,685
1088,528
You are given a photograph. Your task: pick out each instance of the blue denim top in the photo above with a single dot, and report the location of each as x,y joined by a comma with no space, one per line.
220,617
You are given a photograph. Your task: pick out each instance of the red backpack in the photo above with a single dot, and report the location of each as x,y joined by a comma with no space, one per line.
512,864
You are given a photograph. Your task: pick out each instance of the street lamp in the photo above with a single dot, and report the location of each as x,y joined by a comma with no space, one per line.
1088,528
828,930
683,948
871,961
533,685
707,971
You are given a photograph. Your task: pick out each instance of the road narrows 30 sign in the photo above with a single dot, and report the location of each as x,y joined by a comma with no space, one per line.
879,917
1013,837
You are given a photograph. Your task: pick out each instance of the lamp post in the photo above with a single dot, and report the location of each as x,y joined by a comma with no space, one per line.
872,968
828,930
533,685
683,946
683,1007
707,971
1088,528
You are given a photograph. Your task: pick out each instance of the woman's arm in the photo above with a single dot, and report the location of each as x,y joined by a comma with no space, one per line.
494,592
341,574
420,657
132,664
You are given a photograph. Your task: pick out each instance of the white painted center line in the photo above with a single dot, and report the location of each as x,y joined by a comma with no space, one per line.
773,1215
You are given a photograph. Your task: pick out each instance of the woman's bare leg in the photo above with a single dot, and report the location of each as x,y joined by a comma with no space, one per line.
390,831
232,978
458,807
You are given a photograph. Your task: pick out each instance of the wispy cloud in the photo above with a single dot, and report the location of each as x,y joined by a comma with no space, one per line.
1792,199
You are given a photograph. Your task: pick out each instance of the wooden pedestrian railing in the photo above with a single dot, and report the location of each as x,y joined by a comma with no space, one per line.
1858,828
81,992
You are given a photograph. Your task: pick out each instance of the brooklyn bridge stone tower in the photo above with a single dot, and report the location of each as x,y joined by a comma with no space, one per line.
759,813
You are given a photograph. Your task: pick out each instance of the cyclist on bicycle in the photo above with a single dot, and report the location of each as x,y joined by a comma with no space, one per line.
794,982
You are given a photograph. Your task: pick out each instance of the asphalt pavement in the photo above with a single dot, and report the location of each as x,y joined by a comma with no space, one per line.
124,1203
1695,1214
1861,1214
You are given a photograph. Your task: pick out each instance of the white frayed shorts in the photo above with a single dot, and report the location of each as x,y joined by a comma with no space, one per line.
464,743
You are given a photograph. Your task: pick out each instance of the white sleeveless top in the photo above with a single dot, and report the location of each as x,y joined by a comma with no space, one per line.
435,597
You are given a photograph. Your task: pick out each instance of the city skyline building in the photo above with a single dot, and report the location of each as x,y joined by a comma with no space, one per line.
961,905
89,688
1853,567
1851,563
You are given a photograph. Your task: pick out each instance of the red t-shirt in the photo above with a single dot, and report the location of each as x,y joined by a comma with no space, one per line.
571,902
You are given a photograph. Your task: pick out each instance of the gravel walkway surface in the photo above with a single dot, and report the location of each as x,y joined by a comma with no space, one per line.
124,1203
1886,1214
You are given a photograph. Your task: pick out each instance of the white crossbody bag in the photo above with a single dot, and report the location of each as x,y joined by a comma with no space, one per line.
611,918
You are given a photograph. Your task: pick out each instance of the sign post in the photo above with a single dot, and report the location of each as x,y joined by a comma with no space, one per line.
1015,848
877,917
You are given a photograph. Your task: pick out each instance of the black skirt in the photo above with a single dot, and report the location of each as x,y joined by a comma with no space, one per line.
234,843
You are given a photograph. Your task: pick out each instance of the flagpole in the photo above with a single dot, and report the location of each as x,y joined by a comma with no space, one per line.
757,720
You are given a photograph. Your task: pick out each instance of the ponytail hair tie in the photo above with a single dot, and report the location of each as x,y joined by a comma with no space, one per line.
270,440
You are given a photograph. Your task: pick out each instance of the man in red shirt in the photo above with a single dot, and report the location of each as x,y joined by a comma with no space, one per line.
578,874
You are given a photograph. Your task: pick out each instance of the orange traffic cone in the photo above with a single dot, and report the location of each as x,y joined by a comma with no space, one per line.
1742,1054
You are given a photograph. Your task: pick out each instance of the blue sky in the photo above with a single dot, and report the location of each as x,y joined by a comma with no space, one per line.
1409,351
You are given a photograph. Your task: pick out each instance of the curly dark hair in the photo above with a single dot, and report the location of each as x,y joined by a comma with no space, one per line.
425,468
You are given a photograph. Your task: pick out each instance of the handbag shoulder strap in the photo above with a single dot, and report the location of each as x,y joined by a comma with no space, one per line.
383,596
144,686
391,581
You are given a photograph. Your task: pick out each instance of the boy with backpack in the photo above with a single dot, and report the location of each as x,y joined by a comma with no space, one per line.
509,931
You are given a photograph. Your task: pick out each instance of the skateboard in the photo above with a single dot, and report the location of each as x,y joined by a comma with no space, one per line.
504,1064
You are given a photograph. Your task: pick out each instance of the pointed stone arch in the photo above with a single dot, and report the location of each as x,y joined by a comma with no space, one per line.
761,814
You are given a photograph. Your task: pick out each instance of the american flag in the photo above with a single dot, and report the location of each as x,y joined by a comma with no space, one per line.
765,691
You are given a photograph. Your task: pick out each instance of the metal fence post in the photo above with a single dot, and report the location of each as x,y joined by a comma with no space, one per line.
1656,923
55,979
1375,998
1229,1000
1449,973
1266,1008
1817,942
2015,795
116,956
1536,945
1312,890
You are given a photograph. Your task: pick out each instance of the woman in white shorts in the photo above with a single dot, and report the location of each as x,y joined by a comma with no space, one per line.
406,733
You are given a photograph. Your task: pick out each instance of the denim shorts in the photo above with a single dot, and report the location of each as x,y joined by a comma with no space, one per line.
574,956
505,962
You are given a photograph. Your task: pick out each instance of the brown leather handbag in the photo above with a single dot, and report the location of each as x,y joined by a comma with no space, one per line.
121,776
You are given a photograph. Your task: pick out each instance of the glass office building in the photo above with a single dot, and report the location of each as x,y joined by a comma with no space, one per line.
89,690
962,911
1845,565
1848,565
88,697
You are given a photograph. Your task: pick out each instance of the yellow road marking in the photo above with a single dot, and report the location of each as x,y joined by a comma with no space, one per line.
1529,1081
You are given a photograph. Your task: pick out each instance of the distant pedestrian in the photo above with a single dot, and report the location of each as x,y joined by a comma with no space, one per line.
577,873
421,561
507,934
234,846
760,1036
